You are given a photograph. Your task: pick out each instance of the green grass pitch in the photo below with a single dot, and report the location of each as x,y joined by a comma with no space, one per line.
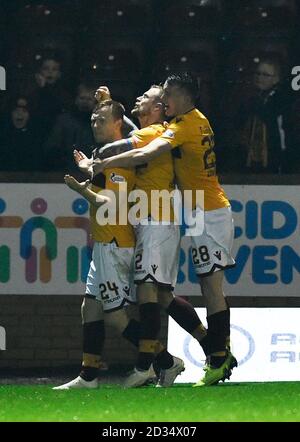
229,402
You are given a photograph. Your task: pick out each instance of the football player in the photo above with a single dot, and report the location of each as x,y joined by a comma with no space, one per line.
157,244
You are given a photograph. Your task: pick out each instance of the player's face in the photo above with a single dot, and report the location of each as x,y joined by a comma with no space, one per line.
266,76
146,103
20,115
103,125
174,99
50,70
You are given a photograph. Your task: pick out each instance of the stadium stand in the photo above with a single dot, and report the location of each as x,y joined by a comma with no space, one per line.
129,44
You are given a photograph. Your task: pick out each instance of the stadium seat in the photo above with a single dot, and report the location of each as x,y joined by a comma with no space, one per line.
114,63
47,16
264,18
287,4
252,48
4,37
189,18
93,41
125,92
119,16
194,55
181,61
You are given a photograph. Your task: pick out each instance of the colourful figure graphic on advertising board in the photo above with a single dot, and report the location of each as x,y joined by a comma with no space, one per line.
30,253
6,222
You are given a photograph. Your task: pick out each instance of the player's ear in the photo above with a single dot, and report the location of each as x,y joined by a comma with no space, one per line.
157,106
161,107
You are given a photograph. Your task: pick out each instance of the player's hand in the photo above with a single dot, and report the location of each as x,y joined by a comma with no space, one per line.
82,161
102,94
97,167
74,184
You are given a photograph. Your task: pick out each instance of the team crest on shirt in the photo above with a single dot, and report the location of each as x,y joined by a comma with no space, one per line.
169,133
114,178
205,130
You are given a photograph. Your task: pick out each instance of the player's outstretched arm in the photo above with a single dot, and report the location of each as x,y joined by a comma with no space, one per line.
115,148
83,189
133,157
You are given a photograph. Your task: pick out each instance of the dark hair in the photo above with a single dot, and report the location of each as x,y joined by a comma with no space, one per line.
49,54
185,81
13,103
88,83
117,108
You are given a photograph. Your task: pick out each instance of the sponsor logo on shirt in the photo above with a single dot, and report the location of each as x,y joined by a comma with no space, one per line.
114,178
169,133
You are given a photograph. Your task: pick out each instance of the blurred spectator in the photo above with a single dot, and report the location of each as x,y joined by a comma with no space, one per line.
71,129
48,95
263,124
19,139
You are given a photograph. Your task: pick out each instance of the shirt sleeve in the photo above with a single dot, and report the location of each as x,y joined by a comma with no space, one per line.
175,134
142,137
